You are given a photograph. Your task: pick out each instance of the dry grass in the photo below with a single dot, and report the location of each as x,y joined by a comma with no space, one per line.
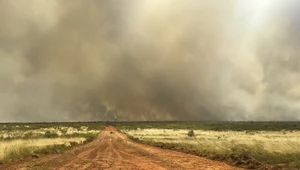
283,142
20,148
272,147
19,141
44,132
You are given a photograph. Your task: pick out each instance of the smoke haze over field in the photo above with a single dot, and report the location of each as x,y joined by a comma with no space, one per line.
149,60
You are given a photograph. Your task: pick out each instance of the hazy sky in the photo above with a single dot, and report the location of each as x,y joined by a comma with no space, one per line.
149,60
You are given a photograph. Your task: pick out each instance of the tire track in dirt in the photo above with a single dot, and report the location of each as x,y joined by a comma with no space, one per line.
113,150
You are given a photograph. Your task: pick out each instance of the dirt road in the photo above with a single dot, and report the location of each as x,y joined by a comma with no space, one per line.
113,150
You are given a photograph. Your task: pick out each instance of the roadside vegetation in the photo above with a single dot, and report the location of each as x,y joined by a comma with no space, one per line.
19,140
252,145
210,125
249,145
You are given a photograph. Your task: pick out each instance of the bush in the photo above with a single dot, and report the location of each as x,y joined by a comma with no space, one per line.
191,133
49,134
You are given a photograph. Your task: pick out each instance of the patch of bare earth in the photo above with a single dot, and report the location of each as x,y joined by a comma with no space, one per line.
113,150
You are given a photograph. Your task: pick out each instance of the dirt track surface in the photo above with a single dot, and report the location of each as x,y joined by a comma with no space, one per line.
113,150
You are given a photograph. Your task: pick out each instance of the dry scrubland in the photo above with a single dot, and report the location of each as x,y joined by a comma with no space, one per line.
22,140
245,144
224,142
274,147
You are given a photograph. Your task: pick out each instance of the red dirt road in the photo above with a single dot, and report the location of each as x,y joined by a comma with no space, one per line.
113,150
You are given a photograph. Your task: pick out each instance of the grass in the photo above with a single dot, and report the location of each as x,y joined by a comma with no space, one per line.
33,126
241,146
14,149
240,143
35,131
215,126
19,140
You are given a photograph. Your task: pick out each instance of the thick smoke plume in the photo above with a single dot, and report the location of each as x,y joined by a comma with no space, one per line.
149,60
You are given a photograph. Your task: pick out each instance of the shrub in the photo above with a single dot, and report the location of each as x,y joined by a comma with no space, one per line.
191,133
49,134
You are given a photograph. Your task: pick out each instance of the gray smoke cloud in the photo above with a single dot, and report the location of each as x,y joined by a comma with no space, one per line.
149,60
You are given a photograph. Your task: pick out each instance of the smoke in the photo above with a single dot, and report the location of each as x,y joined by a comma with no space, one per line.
278,53
149,60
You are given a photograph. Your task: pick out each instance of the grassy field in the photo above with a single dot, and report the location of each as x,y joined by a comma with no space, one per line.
18,140
216,126
246,144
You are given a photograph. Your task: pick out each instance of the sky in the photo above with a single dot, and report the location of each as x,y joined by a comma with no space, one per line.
220,60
